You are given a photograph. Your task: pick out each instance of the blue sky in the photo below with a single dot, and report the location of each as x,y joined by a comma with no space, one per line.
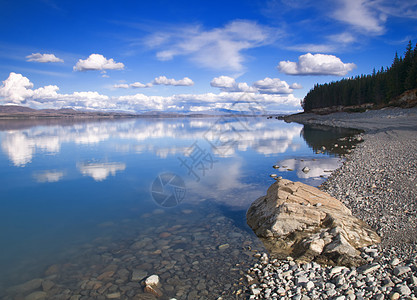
191,56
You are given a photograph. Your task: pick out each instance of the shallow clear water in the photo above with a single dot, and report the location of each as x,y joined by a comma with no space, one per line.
80,196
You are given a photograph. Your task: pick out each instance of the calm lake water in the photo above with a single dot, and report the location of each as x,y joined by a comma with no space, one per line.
85,206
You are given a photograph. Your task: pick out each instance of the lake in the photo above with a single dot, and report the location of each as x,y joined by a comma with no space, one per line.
90,208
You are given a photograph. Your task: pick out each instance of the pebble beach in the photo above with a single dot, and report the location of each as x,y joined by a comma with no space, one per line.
378,182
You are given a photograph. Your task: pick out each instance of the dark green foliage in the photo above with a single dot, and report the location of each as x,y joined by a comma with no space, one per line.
378,88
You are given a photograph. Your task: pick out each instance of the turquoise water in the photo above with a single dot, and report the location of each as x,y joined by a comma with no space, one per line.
68,185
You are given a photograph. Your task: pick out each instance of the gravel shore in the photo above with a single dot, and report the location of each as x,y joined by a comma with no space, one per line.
378,182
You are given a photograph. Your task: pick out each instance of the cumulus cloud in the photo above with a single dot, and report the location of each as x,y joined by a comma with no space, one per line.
272,86
97,62
43,58
165,81
317,64
16,89
218,48
21,92
264,86
228,84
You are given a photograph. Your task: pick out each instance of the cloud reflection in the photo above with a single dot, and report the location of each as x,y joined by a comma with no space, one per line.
225,183
48,176
100,171
163,137
317,168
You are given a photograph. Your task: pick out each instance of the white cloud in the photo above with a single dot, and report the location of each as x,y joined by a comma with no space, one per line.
317,64
100,171
97,62
272,86
218,48
16,89
296,86
43,58
134,85
344,38
121,86
264,86
397,8
137,84
362,15
228,84
161,80
165,81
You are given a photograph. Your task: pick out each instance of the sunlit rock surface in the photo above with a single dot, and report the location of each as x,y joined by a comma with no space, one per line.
298,220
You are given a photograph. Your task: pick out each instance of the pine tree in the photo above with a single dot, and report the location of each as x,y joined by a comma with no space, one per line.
378,88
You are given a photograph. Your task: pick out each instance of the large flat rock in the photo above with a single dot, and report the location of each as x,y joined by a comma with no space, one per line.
294,219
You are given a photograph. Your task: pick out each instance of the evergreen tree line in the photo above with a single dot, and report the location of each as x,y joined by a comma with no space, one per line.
378,88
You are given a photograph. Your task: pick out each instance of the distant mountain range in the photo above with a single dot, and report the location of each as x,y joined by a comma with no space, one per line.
22,112
18,112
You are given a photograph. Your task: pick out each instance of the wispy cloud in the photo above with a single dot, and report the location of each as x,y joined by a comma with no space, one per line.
362,15
161,80
43,58
335,26
219,48
370,17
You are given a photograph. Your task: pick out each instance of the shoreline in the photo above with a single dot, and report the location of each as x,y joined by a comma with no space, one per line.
378,182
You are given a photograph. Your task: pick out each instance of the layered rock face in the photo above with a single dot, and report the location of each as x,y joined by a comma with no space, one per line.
298,220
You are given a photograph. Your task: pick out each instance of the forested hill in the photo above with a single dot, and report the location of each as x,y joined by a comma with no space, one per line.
377,89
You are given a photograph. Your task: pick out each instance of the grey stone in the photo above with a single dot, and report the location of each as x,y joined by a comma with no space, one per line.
309,285
138,275
413,280
26,287
395,261
36,296
301,280
366,269
386,282
337,270
331,292
403,290
398,271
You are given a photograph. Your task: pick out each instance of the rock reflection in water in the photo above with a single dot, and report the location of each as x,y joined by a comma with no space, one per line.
331,140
